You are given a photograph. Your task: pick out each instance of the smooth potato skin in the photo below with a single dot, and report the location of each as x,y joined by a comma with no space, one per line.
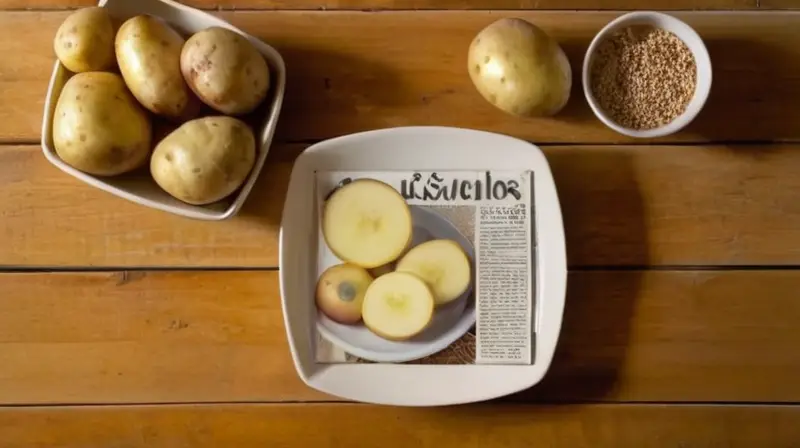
99,127
519,68
85,41
148,53
225,70
205,159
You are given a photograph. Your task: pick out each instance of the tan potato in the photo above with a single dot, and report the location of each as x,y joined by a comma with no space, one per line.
225,70
85,41
205,159
519,68
148,53
99,127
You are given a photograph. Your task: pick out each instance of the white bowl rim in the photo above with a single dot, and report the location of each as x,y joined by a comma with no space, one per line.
701,56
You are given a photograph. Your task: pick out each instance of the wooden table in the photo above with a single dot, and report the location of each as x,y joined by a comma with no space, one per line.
126,327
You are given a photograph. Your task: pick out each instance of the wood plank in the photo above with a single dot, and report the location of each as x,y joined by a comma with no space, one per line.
335,425
341,82
414,4
779,4
161,337
622,205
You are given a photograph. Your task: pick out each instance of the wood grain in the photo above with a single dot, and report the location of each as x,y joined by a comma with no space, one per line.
161,337
414,4
335,425
623,205
340,81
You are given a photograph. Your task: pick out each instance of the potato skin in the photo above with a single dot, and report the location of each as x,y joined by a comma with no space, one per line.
225,70
205,159
85,40
519,69
99,127
148,53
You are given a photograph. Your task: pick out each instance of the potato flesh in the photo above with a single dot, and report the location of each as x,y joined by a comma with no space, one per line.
367,223
85,41
148,53
98,126
443,265
225,70
520,69
205,159
397,306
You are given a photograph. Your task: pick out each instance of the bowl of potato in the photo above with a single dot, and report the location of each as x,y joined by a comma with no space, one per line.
162,104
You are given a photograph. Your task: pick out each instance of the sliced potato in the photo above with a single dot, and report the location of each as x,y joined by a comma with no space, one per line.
397,306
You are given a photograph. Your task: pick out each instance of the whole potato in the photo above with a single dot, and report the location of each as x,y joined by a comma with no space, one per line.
98,126
148,53
85,40
225,70
205,159
519,68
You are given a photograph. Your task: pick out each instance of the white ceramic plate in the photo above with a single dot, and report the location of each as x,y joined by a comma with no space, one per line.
449,323
142,189
417,148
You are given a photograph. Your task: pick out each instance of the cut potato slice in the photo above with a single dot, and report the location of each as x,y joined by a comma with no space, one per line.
443,265
340,292
397,306
367,223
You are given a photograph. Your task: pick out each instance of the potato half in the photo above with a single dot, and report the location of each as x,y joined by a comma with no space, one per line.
205,159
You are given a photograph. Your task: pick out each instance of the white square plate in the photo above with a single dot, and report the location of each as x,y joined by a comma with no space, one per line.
142,189
418,148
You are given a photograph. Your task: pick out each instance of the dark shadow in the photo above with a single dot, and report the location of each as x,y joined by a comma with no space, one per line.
753,94
604,222
334,85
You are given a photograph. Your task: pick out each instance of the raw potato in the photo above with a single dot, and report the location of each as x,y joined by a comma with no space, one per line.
148,53
397,306
340,292
225,70
443,265
519,68
205,159
85,41
367,223
99,127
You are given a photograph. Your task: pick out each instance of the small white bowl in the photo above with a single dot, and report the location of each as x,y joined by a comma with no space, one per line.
143,190
684,32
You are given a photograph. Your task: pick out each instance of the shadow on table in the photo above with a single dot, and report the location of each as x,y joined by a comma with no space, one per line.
604,222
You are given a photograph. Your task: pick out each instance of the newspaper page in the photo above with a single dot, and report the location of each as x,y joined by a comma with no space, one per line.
473,229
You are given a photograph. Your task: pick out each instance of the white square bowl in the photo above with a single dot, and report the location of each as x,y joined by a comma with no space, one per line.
142,189
423,149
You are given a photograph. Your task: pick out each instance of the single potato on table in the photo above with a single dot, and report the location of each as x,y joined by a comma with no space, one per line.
99,127
85,41
519,68
225,70
148,53
205,159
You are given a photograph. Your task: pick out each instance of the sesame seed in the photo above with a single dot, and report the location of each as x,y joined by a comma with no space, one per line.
643,77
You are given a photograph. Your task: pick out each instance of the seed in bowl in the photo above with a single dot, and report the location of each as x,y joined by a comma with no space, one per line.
643,77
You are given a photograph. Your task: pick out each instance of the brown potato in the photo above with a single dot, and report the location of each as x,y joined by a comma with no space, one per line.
519,68
148,53
205,159
99,127
85,41
225,70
